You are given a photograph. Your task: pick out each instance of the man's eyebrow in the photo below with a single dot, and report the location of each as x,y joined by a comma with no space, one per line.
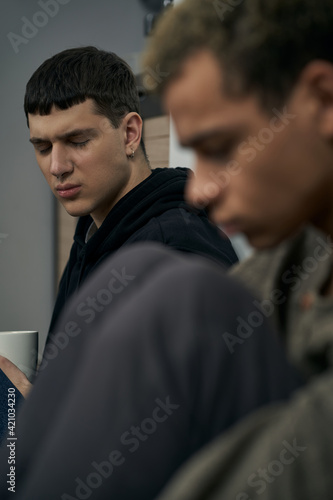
204,135
72,133
222,133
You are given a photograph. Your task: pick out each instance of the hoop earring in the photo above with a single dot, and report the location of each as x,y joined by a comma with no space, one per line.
131,155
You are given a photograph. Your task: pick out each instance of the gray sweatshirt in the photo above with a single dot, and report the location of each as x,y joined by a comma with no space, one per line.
282,451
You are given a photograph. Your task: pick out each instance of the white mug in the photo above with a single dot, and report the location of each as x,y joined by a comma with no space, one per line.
21,348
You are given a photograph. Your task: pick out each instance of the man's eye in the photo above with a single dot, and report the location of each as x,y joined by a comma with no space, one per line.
44,150
80,144
219,150
217,154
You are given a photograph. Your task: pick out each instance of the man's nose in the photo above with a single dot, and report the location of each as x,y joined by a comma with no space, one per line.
60,162
197,192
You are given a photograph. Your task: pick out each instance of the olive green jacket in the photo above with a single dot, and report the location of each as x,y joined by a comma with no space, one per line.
284,451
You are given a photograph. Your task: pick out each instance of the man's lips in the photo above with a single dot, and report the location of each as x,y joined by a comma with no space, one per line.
68,190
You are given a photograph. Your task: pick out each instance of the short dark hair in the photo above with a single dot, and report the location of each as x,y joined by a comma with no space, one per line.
262,45
75,75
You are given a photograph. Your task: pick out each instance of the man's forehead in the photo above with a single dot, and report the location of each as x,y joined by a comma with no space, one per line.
199,77
85,107
58,121
198,103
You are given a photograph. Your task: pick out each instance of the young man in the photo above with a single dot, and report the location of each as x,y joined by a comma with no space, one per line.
82,109
250,88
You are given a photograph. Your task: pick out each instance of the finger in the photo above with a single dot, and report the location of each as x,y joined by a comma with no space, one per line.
15,375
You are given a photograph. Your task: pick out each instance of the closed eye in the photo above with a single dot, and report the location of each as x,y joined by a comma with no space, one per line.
43,150
216,145
219,154
217,149
79,144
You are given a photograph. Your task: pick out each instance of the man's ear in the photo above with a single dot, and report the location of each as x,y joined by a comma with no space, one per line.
132,124
317,78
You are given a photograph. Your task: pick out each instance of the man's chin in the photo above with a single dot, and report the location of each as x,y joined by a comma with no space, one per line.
75,212
73,208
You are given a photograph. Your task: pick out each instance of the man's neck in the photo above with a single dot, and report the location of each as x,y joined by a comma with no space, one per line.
139,174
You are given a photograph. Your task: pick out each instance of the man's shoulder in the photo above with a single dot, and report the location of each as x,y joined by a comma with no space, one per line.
191,231
263,269
148,260
187,231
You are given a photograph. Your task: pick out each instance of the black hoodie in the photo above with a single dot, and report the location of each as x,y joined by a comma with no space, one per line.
154,210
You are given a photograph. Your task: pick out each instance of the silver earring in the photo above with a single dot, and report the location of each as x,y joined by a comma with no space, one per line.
131,155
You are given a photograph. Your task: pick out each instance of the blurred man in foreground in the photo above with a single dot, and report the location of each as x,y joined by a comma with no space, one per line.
250,87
